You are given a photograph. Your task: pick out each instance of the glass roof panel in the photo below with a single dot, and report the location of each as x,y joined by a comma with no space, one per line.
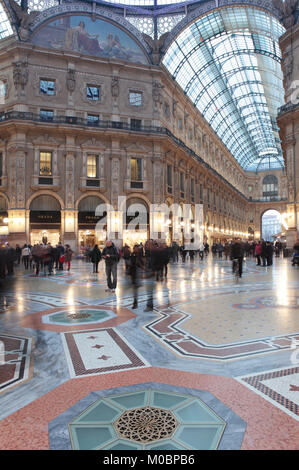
5,26
228,63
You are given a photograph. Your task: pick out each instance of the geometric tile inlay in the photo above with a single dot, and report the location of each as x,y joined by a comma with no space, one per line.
15,361
99,351
70,317
82,316
117,423
280,387
222,330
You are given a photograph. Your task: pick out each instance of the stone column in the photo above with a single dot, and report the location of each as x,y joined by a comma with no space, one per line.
70,214
16,189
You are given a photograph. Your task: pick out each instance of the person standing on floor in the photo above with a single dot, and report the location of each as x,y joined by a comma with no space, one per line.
257,253
18,254
111,256
68,256
60,256
95,257
269,253
25,256
264,253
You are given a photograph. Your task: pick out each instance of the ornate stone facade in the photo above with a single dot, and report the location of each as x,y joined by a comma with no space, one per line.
181,158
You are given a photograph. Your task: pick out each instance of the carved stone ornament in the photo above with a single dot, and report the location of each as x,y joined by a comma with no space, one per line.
289,9
115,87
23,19
71,80
157,96
155,46
20,75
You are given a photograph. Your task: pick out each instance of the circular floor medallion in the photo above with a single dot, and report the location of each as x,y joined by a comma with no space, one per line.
146,424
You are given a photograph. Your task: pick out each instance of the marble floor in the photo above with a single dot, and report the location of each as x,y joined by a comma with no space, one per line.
215,365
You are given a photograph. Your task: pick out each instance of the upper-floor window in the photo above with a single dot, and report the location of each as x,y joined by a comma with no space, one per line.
47,87
93,93
167,110
136,124
201,193
169,178
92,166
136,169
93,118
46,115
45,163
135,98
3,90
270,187
192,189
1,165
180,124
182,184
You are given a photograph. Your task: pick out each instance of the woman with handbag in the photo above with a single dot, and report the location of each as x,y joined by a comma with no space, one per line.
68,256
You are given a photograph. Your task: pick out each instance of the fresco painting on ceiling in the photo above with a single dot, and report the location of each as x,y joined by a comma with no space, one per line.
98,38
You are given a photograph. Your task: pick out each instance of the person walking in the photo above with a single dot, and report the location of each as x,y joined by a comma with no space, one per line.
18,251
60,257
269,253
237,253
201,250
95,257
68,253
26,255
136,268
257,253
126,251
111,256
264,253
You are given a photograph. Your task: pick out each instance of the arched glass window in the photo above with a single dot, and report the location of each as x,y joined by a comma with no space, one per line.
270,188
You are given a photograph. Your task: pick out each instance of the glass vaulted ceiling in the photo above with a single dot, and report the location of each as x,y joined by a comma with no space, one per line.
5,26
228,63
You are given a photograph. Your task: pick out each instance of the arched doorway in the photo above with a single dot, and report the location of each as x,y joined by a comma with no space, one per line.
136,228
45,220
271,225
87,221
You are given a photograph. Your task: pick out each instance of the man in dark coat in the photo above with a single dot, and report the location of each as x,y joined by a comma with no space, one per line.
237,252
264,253
111,256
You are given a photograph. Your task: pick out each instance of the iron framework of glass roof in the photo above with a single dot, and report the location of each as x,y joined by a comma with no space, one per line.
228,63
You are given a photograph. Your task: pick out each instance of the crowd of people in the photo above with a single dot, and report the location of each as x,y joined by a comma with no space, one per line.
144,261
40,256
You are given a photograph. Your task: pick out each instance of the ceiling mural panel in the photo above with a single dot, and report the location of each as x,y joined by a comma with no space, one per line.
97,38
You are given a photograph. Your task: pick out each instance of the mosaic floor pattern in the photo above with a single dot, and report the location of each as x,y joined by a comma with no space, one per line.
213,366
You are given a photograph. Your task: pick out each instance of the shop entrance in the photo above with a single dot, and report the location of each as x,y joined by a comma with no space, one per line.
45,220
136,211
87,221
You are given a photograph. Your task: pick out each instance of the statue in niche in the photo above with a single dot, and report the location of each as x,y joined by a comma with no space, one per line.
23,19
157,96
71,80
20,75
115,87
155,46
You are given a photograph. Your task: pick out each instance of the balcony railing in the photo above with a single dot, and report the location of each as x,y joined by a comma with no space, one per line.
73,120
